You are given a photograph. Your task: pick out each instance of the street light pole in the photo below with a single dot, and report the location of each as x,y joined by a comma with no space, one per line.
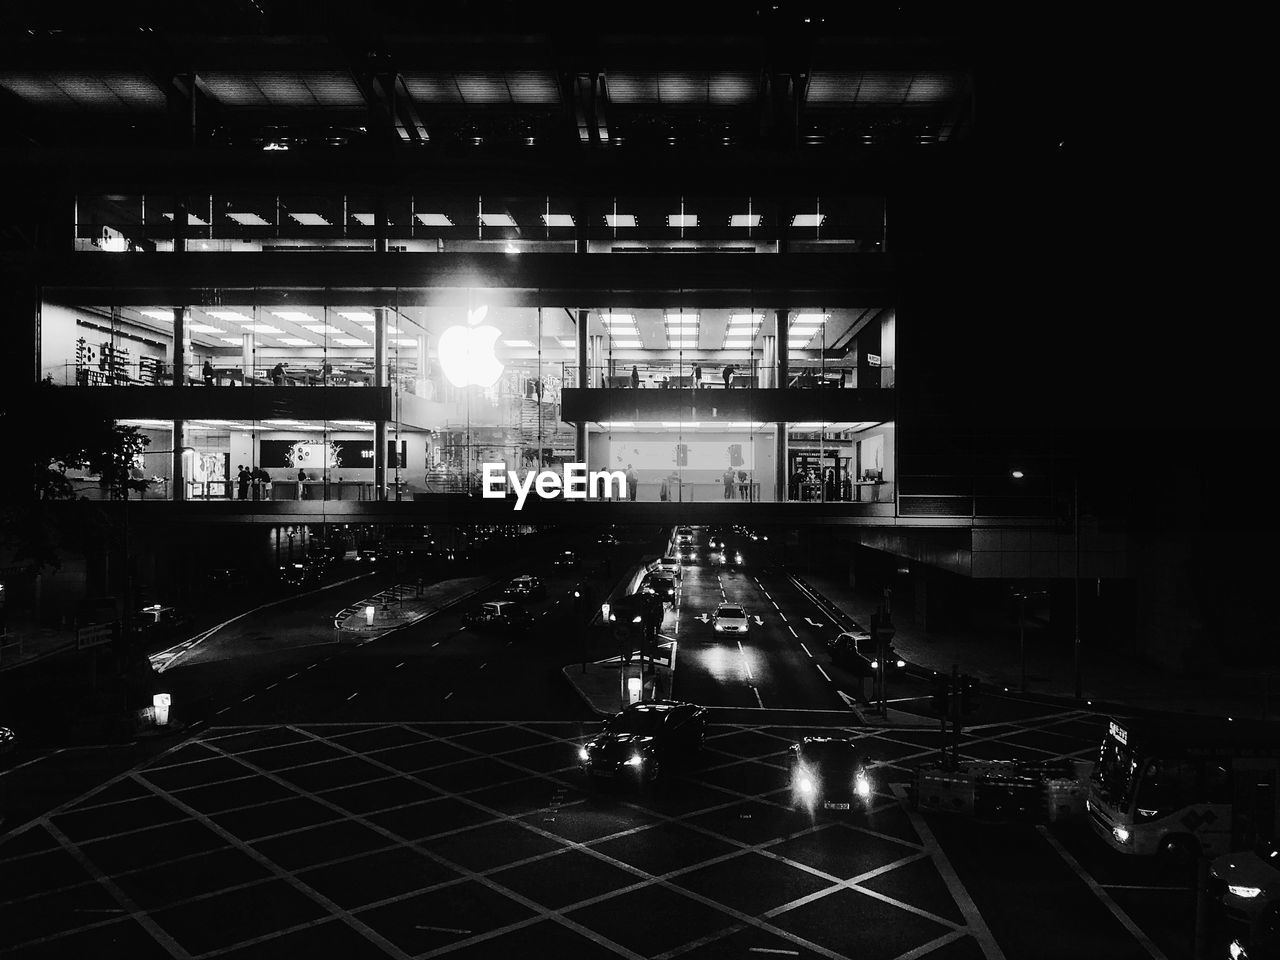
1075,522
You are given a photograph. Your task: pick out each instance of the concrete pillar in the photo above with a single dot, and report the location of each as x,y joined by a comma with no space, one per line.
580,334
380,361
783,375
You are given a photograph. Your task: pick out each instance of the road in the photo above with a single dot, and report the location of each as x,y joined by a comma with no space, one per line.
417,794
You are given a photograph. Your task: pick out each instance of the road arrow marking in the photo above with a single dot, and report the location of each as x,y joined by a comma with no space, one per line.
759,621
812,624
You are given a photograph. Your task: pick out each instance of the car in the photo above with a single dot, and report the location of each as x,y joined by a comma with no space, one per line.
8,740
566,560
368,555
669,565
299,575
525,587
497,616
607,539
858,650
1251,897
643,739
684,535
729,557
829,773
159,620
688,553
661,585
730,618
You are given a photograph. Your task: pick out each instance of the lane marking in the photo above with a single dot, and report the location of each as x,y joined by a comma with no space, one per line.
794,634
398,665
483,665
441,929
969,910
805,649
273,685
785,953
313,666
758,700
436,644
1134,930
248,698
448,695
222,711
823,672
291,676
353,696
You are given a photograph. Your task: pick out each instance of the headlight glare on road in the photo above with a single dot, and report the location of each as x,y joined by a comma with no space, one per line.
806,785
584,754
635,760
862,785
1245,893
1121,834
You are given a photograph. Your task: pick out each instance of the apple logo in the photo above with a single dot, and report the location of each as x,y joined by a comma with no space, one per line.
466,353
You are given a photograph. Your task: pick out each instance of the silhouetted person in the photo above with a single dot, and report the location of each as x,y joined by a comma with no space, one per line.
632,482
728,484
728,375
697,375
635,383
208,373
277,374
242,480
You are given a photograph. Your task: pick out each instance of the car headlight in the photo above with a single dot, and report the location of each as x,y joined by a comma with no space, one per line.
901,664
738,558
1121,834
862,785
584,754
1237,951
875,664
635,760
1246,893
806,785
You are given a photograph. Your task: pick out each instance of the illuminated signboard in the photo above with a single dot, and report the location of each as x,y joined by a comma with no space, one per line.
1119,732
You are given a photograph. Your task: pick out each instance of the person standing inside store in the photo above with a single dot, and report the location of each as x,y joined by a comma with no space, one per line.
744,485
697,376
728,376
635,383
242,480
302,480
728,483
277,374
632,482
208,372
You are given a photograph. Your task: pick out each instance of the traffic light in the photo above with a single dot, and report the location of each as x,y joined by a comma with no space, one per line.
940,696
968,694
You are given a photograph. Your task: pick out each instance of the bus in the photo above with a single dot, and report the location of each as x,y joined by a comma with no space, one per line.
1183,787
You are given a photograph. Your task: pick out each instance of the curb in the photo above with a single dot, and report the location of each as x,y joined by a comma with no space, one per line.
564,671
426,616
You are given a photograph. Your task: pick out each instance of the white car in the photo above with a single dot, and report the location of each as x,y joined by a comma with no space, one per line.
730,618
669,566
684,535
1252,896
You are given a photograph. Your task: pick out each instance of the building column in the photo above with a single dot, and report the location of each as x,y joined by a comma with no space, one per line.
179,352
782,373
580,334
380,361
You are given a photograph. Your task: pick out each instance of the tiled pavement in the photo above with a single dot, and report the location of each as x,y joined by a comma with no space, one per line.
483,840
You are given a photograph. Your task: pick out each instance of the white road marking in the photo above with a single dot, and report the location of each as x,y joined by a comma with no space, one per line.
758,700
442,929
353,696
313,666
291,676
273,686
794,634
222,711
483,665
248,698
448,695
804,648
398,665
1143,940
812,624
436,644
823,672
785,953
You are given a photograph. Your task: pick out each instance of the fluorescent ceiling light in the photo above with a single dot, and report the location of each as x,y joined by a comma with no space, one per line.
354,423
565,342
404,341
616,423
296,342
350,342
682,220
809,425
627,344
323,328
609,318
681,315
262,328
811,318
249,220
145,423
390,329
434,220
192,219
358,316
518,343
218,423
742,319
364,219
294,316
740,425
678,423
808,219
284,423
230,316
202,328
557,220
497,220
620,219
164,316
235,340
310,219
798,344
737,344
745,220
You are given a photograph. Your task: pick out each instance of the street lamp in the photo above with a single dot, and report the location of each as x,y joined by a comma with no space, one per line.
1075,580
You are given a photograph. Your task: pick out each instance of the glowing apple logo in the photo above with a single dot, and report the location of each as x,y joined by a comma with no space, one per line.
466,353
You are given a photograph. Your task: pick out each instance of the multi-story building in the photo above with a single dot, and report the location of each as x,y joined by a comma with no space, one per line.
720,261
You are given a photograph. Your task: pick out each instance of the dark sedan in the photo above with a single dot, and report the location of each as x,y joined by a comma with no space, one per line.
525,588
664,587
858,651
643,739
499,616
566,560
830,774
